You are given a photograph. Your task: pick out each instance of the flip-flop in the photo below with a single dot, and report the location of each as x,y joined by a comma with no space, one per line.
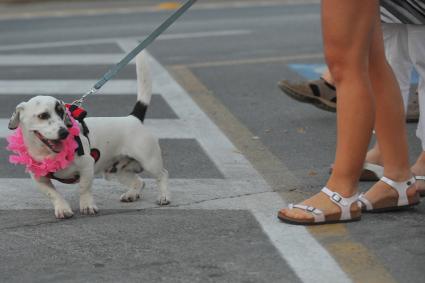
319,217
320,93
383,206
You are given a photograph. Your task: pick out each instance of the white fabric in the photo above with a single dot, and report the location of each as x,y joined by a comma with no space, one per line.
343,203
405,50
401,188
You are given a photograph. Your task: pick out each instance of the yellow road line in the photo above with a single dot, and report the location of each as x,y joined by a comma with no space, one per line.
169,6
358,262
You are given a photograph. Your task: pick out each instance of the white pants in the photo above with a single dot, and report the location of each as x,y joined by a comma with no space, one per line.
405,50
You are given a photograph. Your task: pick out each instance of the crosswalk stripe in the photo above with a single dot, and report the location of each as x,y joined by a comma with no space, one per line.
51,60
65,87
214,33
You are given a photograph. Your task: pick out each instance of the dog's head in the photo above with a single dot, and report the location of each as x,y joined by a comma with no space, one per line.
44,117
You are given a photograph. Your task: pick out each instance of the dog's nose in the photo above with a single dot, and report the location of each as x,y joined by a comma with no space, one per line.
63,133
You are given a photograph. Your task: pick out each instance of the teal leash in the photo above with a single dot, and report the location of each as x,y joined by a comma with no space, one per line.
124,62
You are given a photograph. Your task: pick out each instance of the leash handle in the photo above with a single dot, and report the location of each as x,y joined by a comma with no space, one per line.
157,32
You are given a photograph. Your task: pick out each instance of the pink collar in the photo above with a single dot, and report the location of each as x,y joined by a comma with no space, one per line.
48,165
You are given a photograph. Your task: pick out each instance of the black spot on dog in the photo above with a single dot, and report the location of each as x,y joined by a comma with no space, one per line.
139,111
59,110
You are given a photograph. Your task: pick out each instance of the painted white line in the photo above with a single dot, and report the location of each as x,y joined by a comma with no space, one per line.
204,34
65,87
160,128
51,60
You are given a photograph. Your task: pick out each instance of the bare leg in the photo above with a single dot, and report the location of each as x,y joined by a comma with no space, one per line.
374,155
390,126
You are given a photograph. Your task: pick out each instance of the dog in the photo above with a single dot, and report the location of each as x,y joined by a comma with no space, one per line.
125,146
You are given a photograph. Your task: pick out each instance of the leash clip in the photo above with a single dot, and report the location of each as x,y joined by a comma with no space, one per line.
80,101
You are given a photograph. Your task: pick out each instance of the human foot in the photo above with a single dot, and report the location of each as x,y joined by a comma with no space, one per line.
322,208
388,195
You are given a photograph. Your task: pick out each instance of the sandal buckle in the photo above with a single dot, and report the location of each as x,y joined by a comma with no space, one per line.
310,209
336,197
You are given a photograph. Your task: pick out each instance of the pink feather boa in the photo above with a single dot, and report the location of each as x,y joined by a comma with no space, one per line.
48,165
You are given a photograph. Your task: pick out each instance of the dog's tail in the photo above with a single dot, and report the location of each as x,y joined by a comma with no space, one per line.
144,87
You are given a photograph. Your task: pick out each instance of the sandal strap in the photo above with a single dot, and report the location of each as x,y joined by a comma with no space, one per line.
401,188
317,213
365,201
375,168
420,178
343,203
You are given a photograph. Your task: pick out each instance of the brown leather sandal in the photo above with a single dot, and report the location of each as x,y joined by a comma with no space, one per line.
322,94
318,92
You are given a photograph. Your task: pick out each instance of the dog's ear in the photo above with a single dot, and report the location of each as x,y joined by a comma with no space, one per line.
14,120
66,119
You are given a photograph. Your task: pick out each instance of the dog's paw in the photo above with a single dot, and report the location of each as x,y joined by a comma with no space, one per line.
163,199
89,210
63,211
130,196
88,207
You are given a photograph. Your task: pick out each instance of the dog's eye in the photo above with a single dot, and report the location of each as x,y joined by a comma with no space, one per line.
44,116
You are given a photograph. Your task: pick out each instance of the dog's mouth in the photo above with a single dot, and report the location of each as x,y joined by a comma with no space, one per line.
54,145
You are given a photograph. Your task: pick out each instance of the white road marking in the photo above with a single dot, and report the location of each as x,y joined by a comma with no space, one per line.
51,60
64,87
215,33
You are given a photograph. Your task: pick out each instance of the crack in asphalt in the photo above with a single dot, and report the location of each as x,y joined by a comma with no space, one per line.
126,211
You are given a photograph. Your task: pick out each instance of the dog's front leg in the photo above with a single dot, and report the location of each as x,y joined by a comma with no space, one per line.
87,204
62,208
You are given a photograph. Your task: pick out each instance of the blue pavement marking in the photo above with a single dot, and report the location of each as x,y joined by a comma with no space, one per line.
313,71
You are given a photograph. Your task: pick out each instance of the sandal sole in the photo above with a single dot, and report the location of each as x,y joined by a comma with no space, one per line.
293,222
391,209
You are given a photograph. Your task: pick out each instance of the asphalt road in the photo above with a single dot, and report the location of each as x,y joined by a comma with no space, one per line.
237,150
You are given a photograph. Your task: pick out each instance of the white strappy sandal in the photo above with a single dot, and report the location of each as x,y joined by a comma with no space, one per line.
319,217
402,202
